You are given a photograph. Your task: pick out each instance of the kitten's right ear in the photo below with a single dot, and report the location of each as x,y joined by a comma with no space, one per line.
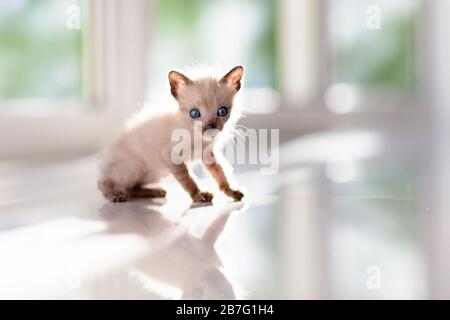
177,81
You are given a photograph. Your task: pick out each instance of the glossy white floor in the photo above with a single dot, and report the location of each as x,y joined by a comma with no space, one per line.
353,226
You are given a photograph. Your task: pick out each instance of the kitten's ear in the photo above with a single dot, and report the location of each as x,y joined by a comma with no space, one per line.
177,80
233,78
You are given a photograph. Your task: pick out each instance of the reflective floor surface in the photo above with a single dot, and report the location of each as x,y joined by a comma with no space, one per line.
353,226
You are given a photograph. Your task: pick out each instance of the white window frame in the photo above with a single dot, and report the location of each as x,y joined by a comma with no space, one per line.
114,55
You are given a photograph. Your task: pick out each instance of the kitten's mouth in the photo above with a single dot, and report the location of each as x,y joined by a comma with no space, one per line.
209,134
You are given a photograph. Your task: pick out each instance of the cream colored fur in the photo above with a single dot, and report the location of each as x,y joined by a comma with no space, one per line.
140,154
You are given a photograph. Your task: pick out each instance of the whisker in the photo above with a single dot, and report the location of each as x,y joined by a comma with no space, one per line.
241,126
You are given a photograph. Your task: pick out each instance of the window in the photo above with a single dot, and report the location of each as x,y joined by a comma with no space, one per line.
351,55
122,52
40,55
377,50
64,83
223,33
372,51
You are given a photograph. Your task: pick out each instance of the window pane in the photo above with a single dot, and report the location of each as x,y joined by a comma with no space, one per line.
222,32
372,42
40,49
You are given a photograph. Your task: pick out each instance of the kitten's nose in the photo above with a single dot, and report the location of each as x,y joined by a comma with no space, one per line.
211,125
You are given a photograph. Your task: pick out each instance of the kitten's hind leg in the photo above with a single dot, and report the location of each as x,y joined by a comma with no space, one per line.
118,178
139,191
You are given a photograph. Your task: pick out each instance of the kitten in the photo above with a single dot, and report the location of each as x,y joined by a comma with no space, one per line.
143,153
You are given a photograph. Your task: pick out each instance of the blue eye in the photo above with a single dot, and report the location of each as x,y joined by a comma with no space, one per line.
222,111
194,113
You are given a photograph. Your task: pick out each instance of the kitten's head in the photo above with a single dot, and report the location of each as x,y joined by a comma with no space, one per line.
208,100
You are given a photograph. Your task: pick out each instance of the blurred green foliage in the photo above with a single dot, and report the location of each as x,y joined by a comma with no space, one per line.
181,22
382,58
39,56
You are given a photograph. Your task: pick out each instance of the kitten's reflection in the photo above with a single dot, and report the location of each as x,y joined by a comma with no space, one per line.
176,257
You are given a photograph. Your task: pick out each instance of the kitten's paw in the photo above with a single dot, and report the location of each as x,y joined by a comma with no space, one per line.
118,196
235,194
202,197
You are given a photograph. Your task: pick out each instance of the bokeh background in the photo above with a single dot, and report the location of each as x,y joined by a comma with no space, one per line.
357,88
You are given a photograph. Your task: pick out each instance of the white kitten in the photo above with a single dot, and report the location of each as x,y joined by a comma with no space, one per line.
143,152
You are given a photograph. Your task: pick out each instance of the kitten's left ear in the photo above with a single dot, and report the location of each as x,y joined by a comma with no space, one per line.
233,78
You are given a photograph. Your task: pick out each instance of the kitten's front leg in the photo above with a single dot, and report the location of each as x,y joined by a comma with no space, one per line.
182,175
218,174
